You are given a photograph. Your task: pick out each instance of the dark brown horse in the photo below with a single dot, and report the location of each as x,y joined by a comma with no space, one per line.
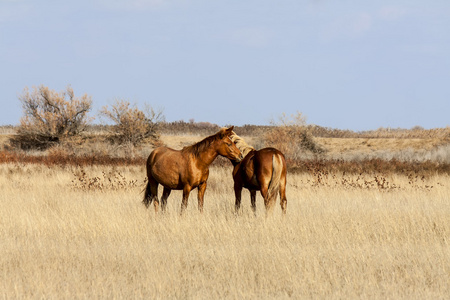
261,170
186,169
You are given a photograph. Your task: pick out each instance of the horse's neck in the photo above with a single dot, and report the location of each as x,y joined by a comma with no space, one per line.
206,157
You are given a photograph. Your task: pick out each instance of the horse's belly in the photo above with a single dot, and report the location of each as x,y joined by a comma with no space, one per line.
172,171
171,181
251,183
173,186
167,175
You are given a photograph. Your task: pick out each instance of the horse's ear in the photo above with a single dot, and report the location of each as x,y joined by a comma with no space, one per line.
229,131
224,132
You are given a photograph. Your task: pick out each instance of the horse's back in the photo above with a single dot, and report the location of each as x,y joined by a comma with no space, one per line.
264,158
267,153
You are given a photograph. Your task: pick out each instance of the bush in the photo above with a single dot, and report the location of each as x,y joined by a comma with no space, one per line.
132,125
291,136
49,117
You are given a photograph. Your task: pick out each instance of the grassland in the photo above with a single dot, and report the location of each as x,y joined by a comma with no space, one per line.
65,239
73,227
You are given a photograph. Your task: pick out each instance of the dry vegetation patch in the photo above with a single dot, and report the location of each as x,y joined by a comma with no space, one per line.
299,142
339,145
337,241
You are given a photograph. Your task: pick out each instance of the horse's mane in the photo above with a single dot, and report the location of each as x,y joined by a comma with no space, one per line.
201,146
241,144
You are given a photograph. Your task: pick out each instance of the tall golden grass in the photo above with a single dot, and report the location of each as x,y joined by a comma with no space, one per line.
62,239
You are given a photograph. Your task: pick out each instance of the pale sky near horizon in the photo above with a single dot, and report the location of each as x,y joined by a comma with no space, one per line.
356,65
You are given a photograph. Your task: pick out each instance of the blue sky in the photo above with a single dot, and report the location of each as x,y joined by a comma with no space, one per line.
344,64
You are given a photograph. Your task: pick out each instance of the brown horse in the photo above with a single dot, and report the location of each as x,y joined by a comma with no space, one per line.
263,170
186,169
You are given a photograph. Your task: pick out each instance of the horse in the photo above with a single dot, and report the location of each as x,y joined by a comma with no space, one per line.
261,170
186,169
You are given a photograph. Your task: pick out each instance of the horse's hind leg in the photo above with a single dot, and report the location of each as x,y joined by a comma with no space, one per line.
147,196
155,196
165,195
151,191
283,199
268,202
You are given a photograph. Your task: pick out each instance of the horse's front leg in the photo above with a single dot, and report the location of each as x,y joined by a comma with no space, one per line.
201,194
184,202
237,194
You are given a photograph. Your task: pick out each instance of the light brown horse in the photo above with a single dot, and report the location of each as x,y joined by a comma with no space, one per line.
261,170
186,169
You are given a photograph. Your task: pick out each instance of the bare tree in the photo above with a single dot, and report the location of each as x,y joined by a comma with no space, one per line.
50,116
132,125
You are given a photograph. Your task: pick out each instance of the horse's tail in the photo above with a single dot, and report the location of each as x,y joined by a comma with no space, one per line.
147,196
277,169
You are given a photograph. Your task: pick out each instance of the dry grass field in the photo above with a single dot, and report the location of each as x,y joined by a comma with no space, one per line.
68,232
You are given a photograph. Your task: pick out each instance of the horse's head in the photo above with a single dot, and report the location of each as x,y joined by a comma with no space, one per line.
226,147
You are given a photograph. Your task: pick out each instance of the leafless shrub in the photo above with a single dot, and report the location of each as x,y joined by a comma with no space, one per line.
49,117
132,125
291,136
